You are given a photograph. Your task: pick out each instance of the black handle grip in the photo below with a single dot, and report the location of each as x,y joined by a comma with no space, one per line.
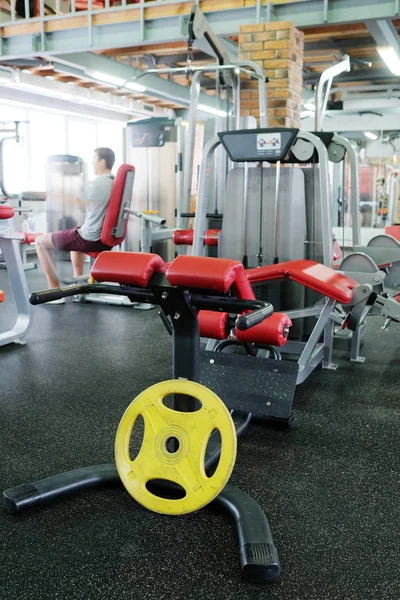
253,318
49,295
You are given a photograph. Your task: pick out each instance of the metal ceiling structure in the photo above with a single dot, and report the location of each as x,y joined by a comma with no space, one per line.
126,40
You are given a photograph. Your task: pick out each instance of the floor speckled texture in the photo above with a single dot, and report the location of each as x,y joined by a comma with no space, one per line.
330,488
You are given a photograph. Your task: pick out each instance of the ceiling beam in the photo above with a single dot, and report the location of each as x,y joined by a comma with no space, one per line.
360,75
384,33
164,22
157,87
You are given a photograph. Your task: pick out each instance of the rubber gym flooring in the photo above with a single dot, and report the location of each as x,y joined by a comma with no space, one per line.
330,488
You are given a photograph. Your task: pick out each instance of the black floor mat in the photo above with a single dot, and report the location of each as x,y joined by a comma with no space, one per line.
330,488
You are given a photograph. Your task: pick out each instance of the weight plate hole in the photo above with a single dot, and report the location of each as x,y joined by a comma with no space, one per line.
172,444
162,488
168,401
136,439
213,441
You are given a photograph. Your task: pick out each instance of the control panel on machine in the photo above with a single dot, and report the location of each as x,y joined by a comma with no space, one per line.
258,145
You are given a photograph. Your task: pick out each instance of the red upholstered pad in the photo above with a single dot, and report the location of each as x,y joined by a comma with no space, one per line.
337,251
211,237
213,324
6,212
29,238
313,275
185,237
182,237
131,268
394,231
273,331
113,208
217,274
397,298
1,296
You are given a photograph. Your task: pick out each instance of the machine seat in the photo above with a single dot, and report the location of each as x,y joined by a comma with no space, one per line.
128,268
313,275
6,212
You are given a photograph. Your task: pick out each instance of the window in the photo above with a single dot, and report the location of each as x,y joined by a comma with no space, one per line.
46,133
110,136
82,141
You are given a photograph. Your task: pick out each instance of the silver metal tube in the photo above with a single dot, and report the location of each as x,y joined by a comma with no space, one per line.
262,89
12,5
245,196
27,10
323,88
326,194
179,173
200,220
354,188
189,149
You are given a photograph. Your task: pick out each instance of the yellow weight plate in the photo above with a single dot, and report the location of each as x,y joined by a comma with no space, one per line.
185,466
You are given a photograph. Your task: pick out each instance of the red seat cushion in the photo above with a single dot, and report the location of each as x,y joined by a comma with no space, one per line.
6,212
113,209
130,268
1,296
218,274
394,231
311,274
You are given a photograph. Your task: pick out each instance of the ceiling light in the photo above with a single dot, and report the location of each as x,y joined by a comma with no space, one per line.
212,110
370,135
391,58
105,78
136,87
309,106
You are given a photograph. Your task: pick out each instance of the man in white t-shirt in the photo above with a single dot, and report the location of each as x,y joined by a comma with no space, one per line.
86,238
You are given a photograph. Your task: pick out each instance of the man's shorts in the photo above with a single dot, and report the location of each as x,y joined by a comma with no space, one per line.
69,239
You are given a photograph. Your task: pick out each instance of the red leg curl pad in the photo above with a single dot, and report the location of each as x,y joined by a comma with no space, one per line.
218,274
394,231
1,296
213,325
183,237
30,238
6,212
273,331
131,268
313,275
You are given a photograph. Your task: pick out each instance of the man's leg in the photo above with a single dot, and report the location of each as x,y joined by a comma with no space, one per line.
77,259
44,248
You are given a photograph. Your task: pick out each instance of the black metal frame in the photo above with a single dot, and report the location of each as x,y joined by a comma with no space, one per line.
258,554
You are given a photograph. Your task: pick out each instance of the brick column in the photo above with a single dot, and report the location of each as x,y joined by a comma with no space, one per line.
278,47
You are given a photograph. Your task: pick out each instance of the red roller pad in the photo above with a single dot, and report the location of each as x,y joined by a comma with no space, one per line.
6,212
213,324
30,238
271,331
114,205
337,251
394,231
313,275
211,237
131,268
397,298
183,237
217,274
1,296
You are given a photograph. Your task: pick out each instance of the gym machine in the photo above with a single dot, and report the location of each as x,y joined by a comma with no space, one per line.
10,248
180,443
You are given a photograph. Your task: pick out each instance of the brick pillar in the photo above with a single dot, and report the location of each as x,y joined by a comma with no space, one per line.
278,47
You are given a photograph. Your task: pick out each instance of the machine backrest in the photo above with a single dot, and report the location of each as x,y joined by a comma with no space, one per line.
292,228
116,220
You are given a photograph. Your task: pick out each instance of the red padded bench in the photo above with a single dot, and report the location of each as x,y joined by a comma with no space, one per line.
194,272
313,275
